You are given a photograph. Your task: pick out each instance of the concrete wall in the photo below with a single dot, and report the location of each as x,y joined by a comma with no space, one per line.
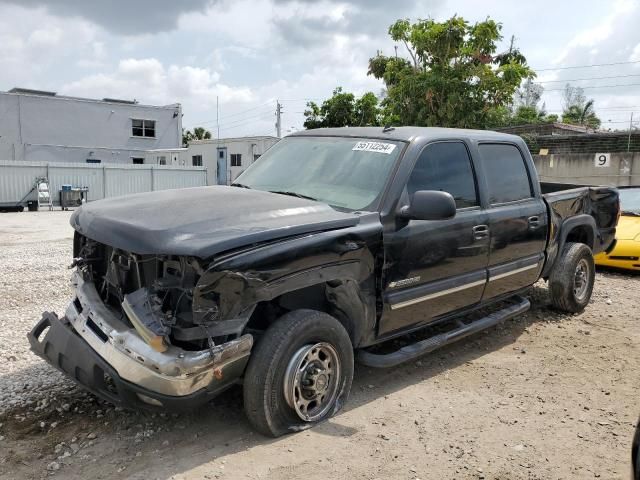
580,168
67,129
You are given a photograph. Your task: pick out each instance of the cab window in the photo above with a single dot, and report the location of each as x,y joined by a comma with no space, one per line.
445,166
507,177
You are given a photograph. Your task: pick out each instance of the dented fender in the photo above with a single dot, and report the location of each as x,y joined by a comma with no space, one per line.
343,260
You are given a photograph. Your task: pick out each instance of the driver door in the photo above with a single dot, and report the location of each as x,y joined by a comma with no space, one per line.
436,267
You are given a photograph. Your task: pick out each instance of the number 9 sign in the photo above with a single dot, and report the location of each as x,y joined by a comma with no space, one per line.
602,160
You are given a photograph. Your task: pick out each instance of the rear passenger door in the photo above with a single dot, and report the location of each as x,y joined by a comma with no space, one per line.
436,267
517,220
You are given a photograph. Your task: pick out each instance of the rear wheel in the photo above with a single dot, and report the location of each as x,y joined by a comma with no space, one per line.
571,281
299,374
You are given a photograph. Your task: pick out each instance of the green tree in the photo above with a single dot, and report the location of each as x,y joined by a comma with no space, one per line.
505,117
342,109
529,94
577,109
198,133
452,78
531,115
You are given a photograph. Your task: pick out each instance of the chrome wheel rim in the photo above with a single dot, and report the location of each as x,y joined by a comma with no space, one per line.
581,280
311,381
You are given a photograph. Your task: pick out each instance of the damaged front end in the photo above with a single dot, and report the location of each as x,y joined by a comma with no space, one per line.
132,335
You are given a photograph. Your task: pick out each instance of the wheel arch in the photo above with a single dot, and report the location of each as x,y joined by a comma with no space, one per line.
342,297
577,229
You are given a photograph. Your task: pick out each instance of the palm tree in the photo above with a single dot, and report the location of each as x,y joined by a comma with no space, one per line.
582,115
199,133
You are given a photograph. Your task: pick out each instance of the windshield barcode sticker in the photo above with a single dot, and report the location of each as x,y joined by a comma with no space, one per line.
378,147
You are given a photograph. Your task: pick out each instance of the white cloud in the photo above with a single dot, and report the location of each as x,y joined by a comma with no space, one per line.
149,81
250,52
32,41
601,30
47,37
124,16
97,57
241,22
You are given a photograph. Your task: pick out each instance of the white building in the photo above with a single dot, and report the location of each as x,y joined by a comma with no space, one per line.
226,158
168,156
43,126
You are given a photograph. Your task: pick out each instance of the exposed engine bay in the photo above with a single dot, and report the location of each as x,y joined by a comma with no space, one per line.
154,294
132,335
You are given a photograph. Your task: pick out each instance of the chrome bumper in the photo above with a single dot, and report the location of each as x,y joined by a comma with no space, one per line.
174,372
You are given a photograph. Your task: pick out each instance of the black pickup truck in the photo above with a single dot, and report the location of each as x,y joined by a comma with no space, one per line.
332,243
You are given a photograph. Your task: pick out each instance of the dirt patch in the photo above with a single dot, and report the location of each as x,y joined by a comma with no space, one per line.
543,396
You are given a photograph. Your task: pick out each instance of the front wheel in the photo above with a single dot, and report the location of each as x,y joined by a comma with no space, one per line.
299,374
572,278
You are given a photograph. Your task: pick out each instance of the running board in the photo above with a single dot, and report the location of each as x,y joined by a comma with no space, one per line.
415,350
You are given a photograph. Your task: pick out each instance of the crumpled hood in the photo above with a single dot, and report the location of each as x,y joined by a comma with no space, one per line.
202,221
628,228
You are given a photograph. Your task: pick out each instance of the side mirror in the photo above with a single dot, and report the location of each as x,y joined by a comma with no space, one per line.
430,205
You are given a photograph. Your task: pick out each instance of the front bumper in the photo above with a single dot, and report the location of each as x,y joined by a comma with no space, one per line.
92,346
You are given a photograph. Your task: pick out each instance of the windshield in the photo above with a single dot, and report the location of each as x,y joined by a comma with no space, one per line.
348,173
630,200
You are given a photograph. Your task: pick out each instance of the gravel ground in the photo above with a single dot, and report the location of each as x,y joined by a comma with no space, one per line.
543,396
35,249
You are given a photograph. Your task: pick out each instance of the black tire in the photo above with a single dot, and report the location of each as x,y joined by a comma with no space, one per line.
567,293
265,403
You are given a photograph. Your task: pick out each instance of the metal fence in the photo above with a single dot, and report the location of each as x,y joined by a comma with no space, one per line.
103,180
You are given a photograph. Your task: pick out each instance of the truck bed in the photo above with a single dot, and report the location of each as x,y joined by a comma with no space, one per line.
577,203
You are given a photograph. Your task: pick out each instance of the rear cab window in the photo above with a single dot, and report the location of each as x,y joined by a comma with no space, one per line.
506,173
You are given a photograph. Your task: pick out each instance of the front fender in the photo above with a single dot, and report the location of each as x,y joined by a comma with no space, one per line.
343,261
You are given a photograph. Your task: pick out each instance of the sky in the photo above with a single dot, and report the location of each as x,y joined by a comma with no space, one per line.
245,55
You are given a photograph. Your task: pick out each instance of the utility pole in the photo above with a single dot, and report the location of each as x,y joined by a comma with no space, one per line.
278,119
217,118
630,128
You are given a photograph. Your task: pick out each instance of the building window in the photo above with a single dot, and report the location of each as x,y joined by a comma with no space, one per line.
143,128
196,160
137,160
236,160
221,154
256,156
162,160
94,160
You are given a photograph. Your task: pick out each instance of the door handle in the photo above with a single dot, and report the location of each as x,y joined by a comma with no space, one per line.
534,222
480,232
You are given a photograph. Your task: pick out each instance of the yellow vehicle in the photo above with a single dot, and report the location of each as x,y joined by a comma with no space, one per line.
626,253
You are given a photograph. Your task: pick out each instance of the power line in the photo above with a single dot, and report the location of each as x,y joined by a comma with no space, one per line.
599,86
620,107
238,113
245,120
269,103
582,79
244,123
585,66
304,99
